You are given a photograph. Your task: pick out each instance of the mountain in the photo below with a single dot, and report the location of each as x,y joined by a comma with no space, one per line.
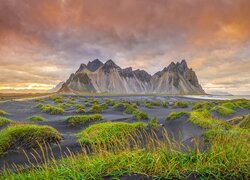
57,87
108,77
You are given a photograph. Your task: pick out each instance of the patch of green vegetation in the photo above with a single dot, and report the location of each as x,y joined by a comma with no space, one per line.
109,132
120,106
176,115
80,108
155,103
37,118
204,119
104,106
224,111
47,108
165,104
153,122
26,136
95,101
139,115
148,105
180,104
63,105
2,112
241,121
83,119
130,108
4,120
203,105
110,102
57,99
95,108
40,105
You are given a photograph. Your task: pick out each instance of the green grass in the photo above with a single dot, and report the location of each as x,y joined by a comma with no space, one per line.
2,112
83,119
26,136
155,103
204,119
180,104
95,108
148,105
165,104
224,111
109,132
153,122
227,158
104,106
37,118
53,110
57,99
63,105
80,108
4,120
139,115
110,102
203,105
130,109
241,121
176,115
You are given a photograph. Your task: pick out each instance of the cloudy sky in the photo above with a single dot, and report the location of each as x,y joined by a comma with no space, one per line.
42,42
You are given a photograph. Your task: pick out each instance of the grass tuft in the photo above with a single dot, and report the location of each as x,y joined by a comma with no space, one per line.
83,119
176,115
180,104
4,120
108,131
37,118
2,112
26,136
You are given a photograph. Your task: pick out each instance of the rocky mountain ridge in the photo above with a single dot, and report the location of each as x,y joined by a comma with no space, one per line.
99,77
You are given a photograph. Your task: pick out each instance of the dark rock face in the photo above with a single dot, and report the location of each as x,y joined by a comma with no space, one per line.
94,65
176,78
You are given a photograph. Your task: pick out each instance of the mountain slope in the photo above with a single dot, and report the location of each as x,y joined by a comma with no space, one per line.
109,77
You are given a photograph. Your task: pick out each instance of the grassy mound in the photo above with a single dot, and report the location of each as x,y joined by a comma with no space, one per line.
224,111
203,105
83,119
108,132
153,122
148,105
57,99
47,108
80,108
26,136
2,112
176,115
139,115
204,119
180,104
4,121
130,108
37,118
95,108
241,121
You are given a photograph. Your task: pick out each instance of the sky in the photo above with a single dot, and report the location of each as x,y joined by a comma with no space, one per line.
43,42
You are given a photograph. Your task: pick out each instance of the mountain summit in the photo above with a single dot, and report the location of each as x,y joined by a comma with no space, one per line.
108,77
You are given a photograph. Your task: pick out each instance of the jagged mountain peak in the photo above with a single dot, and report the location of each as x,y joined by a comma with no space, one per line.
81,68
110,64
94,65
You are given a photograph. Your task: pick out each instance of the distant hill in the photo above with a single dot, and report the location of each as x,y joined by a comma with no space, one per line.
108,77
